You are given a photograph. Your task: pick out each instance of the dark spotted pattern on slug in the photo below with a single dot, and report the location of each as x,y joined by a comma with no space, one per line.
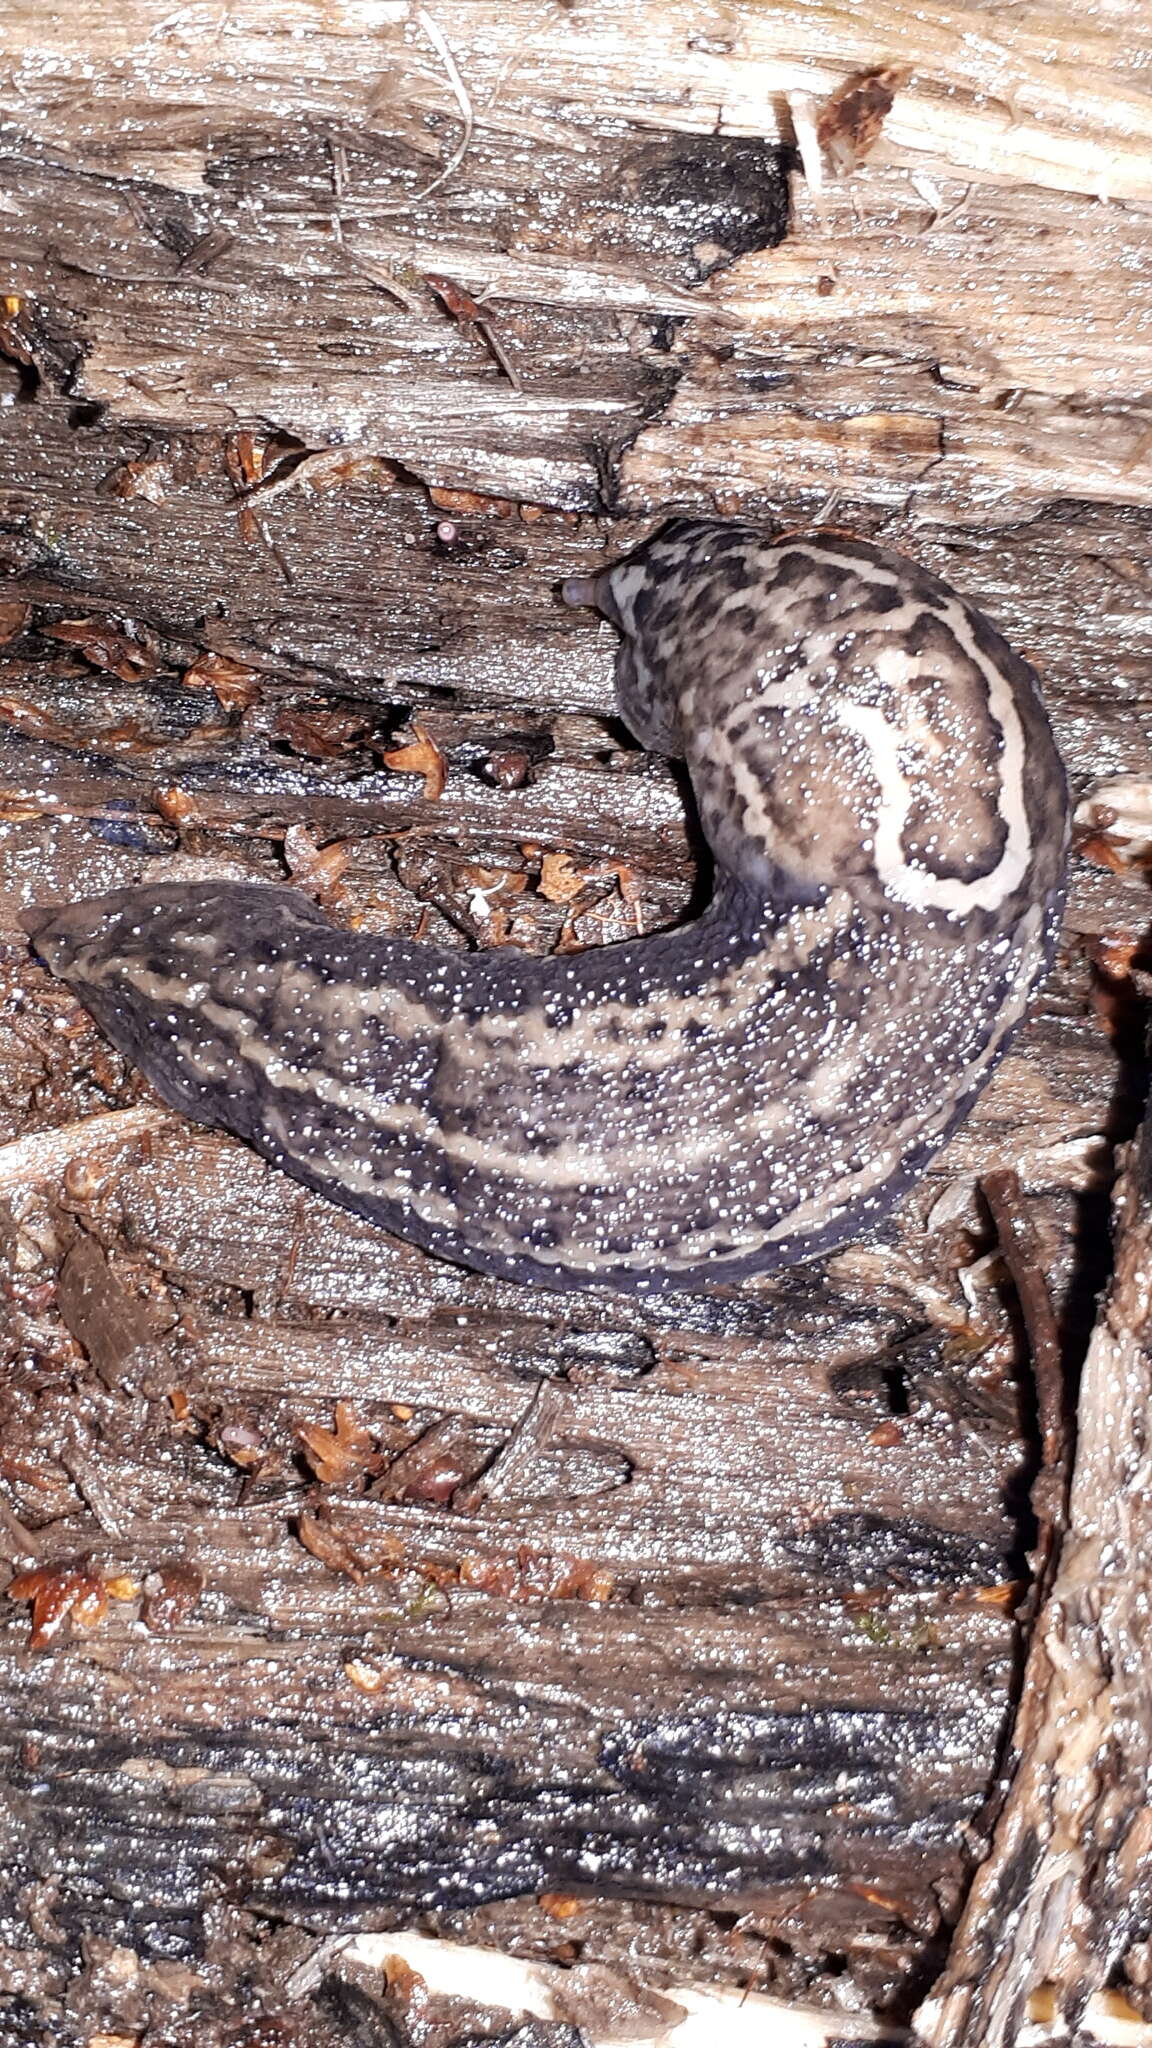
879,784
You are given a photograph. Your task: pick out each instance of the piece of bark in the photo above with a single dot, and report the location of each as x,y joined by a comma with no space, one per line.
1067,1886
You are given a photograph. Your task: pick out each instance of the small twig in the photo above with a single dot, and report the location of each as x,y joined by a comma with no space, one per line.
943,220
207,250
462,100
496,348
275,552
376,274
338,161
1021,1255
16,1541
190,279
470,315
87,1476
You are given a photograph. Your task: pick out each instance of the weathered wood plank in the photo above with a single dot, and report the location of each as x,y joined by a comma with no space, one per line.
700,1609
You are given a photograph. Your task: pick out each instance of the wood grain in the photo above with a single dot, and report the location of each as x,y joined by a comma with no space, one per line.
719,1639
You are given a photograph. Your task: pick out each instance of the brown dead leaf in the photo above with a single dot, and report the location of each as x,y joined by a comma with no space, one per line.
244,457
59,1593
404,1982
260,466
149,480
235,684
1114,955
886,1436
1005,1594
849,123
325,1542
455,298
170,1596
444,1457
323,732
119,652
561,881
538,1575
314,868
1096,847
325,469
570,1579
421,757
340,1454
490,1575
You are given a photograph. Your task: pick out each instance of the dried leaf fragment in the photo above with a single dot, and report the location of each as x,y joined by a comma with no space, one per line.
315,868
538,1575
449,1453
1115,957
468,314
236,685
421,757
128,654
149,479
472,501
176,806
325,1542
849,123
34,722
324,732
561,881
324,469
170,1596
455,298
340,1454
1112,826
559,1905
59,1593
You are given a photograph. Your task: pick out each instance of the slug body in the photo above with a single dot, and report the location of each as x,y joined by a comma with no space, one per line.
879,785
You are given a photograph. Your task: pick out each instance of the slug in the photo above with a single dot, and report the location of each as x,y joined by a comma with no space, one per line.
888,816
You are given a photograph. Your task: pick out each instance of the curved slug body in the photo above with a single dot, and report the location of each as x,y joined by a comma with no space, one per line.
879,785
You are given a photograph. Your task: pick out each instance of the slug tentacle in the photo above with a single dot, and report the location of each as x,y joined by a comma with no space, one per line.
877,779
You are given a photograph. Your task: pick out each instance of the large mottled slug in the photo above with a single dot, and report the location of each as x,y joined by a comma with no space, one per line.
879,785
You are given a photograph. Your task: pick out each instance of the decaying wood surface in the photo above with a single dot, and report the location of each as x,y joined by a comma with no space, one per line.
349,1590
1066,1892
